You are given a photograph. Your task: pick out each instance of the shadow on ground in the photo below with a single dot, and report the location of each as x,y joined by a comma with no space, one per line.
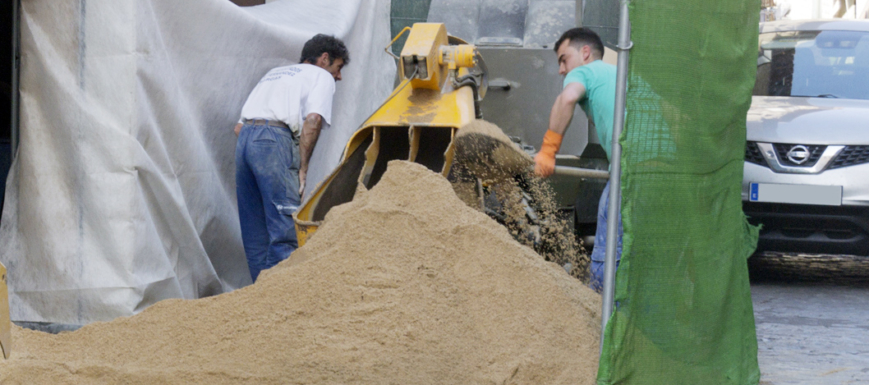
845,270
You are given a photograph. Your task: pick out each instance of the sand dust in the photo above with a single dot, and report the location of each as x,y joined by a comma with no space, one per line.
512,190
403,285
555,239
488,153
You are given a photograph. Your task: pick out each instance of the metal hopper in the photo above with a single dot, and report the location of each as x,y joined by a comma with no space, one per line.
442,82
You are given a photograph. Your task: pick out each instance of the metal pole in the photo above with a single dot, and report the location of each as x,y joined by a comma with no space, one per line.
615,200
16,61
578,16
581,172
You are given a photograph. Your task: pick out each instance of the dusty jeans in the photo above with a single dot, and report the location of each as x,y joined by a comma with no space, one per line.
267,185
598,253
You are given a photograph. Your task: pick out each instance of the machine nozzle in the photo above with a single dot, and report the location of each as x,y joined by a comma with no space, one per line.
456,56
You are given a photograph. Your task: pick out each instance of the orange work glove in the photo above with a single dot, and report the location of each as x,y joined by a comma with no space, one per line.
544,161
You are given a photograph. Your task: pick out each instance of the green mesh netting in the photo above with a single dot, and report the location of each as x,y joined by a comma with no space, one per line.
683,311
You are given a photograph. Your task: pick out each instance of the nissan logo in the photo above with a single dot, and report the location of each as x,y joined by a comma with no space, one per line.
798,154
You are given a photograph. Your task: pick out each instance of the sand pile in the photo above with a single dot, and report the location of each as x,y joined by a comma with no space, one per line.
404,285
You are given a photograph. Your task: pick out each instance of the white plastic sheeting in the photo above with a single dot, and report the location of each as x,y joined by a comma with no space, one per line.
123,190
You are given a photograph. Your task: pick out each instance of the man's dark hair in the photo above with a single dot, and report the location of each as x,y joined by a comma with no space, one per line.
579,37
324,43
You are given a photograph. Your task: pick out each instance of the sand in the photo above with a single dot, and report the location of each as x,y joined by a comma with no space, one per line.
511,188
488,153
556,241
403,285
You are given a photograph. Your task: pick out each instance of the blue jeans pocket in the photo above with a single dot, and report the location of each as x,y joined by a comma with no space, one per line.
263,135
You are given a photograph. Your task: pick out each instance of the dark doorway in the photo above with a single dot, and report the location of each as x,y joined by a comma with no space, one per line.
247,3
6,32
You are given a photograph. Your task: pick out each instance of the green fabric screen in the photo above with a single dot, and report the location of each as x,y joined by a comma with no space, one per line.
404,13
683,312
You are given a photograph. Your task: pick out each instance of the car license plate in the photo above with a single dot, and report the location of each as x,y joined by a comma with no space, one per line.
799,194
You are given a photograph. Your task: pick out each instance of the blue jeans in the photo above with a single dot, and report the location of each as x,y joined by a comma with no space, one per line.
598,253
267,186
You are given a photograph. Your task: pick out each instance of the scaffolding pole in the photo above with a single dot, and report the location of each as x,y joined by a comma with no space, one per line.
615,195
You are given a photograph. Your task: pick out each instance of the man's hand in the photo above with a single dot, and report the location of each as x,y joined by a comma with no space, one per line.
544,164
302,176
544,161
237,129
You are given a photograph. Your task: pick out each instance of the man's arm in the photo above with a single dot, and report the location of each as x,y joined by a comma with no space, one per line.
565,104
559,120
310,135
237,129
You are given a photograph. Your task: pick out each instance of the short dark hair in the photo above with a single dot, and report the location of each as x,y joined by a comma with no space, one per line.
579,37
324,43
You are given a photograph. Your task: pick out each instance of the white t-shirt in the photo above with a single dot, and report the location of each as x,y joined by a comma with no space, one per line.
290,93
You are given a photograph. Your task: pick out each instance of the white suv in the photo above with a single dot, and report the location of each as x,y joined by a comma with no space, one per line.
807,153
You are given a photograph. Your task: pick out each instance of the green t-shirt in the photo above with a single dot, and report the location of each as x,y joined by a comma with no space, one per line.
599,79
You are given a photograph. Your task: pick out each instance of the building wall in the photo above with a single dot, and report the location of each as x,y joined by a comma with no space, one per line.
820,9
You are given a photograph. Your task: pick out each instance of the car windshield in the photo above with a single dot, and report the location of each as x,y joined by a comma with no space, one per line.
826,64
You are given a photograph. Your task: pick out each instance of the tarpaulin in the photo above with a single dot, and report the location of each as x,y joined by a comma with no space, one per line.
683,311
123,190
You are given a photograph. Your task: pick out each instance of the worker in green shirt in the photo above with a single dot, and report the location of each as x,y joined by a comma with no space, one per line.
591,83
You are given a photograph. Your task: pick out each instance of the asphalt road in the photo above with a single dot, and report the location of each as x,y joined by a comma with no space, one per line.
812,318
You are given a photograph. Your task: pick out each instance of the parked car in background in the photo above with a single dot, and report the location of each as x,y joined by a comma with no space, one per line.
806,169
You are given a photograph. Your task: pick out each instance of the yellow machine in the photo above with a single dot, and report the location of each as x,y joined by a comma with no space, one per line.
5,321
442,82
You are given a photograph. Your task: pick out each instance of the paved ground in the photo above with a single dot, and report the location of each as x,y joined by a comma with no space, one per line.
812,317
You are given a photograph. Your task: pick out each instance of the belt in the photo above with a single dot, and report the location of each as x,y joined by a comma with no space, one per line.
265,122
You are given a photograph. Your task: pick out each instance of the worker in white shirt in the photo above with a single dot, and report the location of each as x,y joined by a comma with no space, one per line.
279,127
